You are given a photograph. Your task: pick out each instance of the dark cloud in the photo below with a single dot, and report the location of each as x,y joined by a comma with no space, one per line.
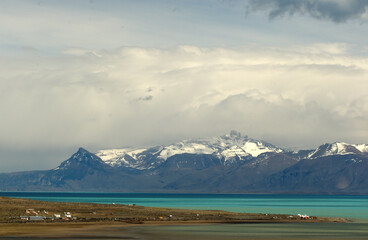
337,11
146,98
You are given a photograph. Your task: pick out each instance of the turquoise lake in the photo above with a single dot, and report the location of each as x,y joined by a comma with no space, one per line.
352,207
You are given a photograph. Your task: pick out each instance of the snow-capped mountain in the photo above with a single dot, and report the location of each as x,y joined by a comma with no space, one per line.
229,148
122,157
338,148
229,163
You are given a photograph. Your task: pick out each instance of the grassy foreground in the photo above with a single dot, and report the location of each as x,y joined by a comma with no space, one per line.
90,215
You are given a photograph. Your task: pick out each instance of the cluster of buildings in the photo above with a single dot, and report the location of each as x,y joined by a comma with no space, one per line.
32,215
304,216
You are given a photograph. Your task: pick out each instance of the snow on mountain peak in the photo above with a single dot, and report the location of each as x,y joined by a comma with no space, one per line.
120,157
231,146
362,147
338,148
185,147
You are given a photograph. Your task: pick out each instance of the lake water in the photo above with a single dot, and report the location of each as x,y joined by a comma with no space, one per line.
352,207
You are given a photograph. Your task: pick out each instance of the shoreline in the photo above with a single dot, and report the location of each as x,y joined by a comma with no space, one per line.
92,218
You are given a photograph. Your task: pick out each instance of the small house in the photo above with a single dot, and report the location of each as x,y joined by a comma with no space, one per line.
68,215
303,216
31,211
36,218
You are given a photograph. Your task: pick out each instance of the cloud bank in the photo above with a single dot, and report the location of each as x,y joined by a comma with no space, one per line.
337,11
67,82
296,96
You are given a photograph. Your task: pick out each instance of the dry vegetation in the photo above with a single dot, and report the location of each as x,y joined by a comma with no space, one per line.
12,208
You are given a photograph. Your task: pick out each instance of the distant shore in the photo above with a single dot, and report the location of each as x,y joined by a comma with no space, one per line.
65,218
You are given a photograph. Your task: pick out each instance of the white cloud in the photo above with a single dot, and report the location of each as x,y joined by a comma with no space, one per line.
66,82
134,96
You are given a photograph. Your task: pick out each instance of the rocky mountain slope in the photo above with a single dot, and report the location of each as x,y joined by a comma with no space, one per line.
229,163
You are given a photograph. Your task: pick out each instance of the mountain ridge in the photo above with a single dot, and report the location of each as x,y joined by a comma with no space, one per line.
228,147
229,163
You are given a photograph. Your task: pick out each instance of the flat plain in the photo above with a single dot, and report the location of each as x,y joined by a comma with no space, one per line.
93,221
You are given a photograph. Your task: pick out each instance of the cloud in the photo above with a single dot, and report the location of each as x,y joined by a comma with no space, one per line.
146,98
288,122
298,96
337,11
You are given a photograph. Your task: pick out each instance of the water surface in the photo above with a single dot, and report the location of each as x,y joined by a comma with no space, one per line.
352,207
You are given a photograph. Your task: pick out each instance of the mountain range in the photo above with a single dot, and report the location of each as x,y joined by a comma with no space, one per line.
226,164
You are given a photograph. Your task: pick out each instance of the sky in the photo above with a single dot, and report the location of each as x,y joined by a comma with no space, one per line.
103,74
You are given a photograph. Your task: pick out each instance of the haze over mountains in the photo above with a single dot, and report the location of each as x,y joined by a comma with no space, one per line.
229,163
